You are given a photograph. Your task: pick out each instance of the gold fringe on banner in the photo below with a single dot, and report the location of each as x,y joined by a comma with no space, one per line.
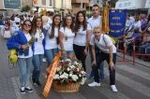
105,19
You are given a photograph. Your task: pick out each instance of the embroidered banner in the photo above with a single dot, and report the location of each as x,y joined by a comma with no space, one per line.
117,20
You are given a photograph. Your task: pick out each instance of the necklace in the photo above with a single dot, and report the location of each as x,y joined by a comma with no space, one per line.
40,33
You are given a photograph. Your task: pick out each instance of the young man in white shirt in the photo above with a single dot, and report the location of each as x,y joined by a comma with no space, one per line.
108,53
94,21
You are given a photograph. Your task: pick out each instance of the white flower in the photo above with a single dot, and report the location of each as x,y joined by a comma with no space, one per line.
70,75
68,60
75,63
83,72
79,75
72,66
64,76
83,80
68,69
56,76
74,77
59,68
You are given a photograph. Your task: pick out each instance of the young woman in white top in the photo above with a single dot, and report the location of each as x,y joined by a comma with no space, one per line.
66,37
108,53
51,40
82,30
38,49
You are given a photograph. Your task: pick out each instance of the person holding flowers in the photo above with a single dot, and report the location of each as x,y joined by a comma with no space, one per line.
21,41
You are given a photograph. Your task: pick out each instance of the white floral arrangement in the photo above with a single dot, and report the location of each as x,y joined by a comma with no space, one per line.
70,71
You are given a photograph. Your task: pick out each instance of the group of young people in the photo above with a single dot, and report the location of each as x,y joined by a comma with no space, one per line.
71,37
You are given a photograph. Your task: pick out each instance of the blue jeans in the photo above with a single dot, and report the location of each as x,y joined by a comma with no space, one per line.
101,72
100,66
102,57
25,68
148,50
37,60
143,47
50,55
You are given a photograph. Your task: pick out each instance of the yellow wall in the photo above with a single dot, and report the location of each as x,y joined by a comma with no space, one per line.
58,4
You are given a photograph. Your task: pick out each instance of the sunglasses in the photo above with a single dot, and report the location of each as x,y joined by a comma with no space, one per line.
27,25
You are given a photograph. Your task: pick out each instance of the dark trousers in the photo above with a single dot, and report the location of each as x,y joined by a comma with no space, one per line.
104,56
79,52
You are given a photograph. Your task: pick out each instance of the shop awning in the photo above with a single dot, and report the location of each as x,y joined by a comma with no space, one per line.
130,4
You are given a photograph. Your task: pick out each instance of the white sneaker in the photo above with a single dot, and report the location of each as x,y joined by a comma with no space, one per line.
113,88
93,84
44,60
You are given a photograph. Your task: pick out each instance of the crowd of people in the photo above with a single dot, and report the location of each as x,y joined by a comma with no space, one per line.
137,29
35,37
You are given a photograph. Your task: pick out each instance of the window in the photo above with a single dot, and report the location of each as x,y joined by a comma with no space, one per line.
50,2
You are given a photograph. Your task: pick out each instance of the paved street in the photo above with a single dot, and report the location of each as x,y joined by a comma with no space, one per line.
133,82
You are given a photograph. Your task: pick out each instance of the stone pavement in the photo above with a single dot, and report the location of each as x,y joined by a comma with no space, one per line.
133,82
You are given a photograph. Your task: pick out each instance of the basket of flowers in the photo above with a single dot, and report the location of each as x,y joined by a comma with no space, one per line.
69,76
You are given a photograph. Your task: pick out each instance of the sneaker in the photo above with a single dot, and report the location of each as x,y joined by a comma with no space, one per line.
22,90
29,90
37,83
44,60
93,84
113,88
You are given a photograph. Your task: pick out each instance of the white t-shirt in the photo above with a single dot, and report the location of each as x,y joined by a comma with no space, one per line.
49,20
46,26
68,38
17,19
94,22
103,43
28,37
38,45
51,43
80,38
137,24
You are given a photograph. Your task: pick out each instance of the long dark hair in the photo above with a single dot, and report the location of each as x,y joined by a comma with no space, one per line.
64,22
53,26
78,23
33,30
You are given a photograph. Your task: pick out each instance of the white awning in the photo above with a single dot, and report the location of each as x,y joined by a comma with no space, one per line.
130,4
147,4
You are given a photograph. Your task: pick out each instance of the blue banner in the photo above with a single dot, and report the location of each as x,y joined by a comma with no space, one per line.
117,20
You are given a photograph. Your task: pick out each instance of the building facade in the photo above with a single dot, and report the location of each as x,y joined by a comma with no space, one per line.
78,5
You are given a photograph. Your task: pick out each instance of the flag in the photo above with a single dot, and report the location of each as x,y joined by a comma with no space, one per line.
51,70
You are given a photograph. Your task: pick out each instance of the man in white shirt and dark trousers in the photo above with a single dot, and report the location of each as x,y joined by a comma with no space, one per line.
108,53
94,21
